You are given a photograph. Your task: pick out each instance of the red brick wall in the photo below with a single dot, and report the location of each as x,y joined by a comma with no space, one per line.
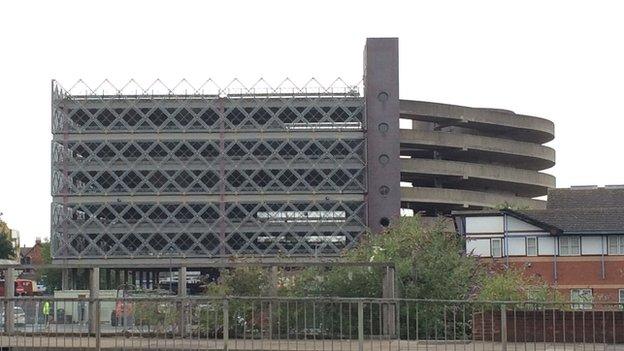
35,254
577,272
551,326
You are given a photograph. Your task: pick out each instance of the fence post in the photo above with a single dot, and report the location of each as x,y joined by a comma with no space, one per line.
9,294
226,324
360,325
94,294
98,344
503,326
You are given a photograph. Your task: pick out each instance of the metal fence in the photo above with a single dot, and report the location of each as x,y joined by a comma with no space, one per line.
250,323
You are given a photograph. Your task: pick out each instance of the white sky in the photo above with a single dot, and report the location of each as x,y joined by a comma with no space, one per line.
563,60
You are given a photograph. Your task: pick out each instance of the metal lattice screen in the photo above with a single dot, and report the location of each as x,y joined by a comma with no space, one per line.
206,176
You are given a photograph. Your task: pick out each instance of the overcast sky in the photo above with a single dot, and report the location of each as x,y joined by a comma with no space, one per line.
563,60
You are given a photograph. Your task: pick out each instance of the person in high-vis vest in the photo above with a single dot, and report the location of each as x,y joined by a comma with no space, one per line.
46,311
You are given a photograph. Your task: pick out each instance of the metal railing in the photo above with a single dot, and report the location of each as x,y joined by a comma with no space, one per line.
278,323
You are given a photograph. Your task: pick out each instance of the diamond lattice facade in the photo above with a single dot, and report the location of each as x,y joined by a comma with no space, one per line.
276,172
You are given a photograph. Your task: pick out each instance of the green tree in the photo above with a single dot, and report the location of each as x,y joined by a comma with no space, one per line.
513,284
429,263
7,251
49,277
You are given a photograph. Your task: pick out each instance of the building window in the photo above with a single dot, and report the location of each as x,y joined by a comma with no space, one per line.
497,247
581,295
616,245
621,299
531,248
569,245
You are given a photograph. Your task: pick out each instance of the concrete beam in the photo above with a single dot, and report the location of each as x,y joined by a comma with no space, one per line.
465,198
523,182
207,198
203,136
540,157
198,262
534,129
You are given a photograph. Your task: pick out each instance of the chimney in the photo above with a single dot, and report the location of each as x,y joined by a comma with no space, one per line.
37,240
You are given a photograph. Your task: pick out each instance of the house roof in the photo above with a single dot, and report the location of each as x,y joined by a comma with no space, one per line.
24,250
608,220
577,210
574,198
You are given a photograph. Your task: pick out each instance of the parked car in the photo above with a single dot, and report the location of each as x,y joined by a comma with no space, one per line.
19,315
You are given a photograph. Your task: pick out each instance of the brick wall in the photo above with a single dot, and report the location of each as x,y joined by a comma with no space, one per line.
551,326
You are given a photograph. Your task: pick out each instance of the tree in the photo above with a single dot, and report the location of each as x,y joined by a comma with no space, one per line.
512,284
7,250
50,278
429,263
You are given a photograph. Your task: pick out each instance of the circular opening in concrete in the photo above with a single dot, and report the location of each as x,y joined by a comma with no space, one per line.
383,96
384,221
383,127
384,190
383,159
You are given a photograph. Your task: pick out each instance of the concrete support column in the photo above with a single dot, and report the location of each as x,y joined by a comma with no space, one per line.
94,294
74,279
182,281
381,96
9,293
65,279
389,309
107,278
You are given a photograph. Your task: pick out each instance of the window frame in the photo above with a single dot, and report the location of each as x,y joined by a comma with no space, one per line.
536,246
568,246
619,244
582,305
500,240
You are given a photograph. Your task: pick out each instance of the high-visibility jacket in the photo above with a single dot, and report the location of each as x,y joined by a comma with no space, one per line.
46,308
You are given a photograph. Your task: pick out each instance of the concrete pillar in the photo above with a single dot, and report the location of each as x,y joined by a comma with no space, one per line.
65,279
182,281
389,308
73,281
94,293
9,294
381,96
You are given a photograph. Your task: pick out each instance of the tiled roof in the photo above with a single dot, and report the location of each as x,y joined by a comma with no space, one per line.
24,250
576,220
567,198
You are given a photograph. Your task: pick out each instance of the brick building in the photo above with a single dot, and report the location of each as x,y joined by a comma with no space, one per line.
31,255
576,243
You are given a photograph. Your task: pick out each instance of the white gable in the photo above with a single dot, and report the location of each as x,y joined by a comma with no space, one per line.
489,224
514,224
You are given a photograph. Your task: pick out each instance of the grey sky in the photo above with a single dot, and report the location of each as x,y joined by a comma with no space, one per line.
562,60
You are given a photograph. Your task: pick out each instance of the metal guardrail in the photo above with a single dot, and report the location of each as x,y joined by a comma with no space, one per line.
279,323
